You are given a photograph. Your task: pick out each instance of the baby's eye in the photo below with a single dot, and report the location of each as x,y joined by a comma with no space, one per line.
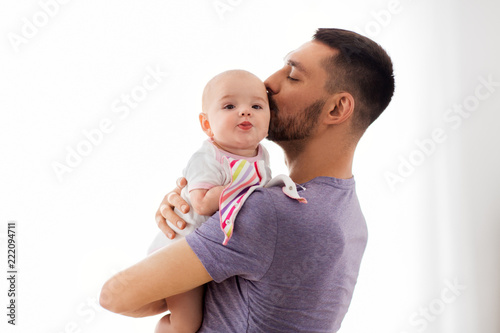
229,106
256,107
292,79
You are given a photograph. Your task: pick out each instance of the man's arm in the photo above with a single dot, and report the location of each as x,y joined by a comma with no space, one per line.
169,271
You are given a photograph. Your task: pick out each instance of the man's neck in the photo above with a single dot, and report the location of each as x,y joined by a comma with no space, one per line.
311,159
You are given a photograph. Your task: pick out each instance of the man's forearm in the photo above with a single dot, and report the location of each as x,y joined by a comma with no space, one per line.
167,272
147,310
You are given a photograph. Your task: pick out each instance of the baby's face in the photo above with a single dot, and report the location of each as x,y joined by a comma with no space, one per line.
238,112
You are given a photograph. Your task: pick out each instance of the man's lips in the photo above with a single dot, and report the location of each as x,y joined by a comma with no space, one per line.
246,125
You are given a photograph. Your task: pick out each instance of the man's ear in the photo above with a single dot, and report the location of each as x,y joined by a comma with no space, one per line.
341,109
205,124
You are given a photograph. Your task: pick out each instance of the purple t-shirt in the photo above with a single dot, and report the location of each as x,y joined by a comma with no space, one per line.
289,267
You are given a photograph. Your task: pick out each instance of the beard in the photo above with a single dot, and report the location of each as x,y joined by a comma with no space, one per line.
299,126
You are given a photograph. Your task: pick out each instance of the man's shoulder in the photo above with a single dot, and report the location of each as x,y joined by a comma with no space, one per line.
261,199
319,187
327,198
264,196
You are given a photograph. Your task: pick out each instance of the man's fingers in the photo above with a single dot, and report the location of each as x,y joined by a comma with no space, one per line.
181,182
166,211
162,224
169,214
176,201
163,209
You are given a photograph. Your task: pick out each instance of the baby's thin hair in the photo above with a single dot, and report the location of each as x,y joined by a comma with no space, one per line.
214,80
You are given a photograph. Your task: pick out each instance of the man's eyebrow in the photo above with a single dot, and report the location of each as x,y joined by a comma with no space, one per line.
295,63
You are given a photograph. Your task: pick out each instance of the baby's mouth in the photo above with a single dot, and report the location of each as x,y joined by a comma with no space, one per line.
246,125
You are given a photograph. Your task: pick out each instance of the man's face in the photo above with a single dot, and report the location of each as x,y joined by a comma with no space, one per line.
296,93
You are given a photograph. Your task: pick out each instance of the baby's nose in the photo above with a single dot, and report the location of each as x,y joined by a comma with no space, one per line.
245,112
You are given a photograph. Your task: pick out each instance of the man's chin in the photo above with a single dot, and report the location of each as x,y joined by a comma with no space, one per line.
280,143
274,138
279,138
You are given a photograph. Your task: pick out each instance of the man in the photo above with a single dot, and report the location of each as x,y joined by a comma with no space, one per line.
289,267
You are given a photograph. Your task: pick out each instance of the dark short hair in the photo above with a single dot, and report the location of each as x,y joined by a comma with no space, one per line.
362,68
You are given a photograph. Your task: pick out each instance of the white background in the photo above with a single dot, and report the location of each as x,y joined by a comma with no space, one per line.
438,225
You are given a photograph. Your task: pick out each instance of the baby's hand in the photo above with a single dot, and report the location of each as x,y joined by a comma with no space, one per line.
166,210
206,202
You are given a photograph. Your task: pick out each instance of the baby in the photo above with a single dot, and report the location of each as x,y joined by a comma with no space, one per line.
222,173
235,116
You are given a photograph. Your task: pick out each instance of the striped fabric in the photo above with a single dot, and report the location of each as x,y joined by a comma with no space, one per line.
246,177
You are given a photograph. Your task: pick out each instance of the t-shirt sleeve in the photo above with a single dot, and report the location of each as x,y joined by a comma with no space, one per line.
203,171
250,251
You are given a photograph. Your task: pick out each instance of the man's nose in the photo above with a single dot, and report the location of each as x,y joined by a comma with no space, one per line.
272,83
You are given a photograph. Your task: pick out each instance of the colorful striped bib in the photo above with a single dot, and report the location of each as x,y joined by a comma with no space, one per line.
245,178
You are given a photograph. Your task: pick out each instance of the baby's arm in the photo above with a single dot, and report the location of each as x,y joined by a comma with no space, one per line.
206,202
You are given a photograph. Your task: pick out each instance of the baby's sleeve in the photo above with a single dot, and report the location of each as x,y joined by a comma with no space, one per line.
204,171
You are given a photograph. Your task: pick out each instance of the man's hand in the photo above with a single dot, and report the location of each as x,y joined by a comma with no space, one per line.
166,211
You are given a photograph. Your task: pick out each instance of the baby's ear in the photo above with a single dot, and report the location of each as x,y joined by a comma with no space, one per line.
205,125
